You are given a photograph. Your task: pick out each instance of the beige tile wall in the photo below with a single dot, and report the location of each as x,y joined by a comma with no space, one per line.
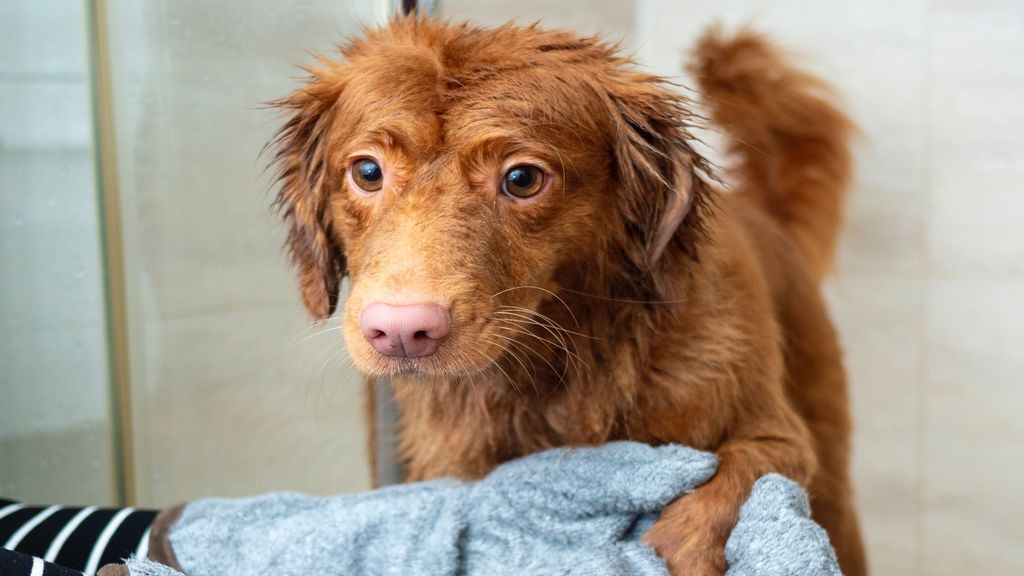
972,435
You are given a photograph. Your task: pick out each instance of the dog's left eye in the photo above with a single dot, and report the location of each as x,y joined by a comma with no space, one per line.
523,181
367,174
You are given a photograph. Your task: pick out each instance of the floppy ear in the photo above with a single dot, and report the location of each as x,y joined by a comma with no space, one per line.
663,178
301,156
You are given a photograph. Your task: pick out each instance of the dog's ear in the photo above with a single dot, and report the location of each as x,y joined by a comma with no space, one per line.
663,177
301,155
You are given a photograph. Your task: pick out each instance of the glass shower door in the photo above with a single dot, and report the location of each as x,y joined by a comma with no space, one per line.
56,420
223,386
233,391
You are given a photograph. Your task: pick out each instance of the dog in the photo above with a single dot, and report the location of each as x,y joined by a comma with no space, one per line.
539,256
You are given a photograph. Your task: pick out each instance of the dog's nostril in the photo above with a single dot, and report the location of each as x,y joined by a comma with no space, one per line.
411,330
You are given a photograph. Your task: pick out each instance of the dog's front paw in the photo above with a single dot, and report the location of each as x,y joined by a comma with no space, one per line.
691,534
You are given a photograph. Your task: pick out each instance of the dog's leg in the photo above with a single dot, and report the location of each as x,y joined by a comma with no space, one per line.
691,533
832,506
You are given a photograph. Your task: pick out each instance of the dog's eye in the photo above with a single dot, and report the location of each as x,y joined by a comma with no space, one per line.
523,181
367,174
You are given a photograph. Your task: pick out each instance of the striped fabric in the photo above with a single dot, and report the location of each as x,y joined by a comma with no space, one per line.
55,540
17,564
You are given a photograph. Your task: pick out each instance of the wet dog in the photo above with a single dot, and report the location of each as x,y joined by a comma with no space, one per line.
540,257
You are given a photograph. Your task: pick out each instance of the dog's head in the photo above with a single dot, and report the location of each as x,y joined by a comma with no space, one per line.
461,177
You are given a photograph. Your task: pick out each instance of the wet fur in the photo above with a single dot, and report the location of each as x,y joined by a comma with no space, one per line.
635,300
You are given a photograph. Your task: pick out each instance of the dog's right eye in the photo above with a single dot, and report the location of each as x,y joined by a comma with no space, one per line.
367,175
523,181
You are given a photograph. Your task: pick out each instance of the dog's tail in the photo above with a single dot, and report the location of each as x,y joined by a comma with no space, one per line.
792,141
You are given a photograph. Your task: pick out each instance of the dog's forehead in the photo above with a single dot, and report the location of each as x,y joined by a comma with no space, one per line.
454,93
530,102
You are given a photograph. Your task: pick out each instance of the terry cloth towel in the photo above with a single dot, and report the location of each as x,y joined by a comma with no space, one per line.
565,511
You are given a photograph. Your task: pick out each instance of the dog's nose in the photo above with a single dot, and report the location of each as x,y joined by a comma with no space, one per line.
411,331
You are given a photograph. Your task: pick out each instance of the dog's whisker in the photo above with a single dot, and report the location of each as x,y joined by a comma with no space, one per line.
545,290
510,380
313,326
473,377
338,363
528,351
506,350
533,380
551,328
345,364
554,325
337,328
327,352
319,370
553,346
493,362
535,317
339,355
530,369
549,319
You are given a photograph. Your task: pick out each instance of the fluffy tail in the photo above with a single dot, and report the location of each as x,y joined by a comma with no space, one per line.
792,141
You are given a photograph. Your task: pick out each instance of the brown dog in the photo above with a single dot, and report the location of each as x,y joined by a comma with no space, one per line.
540,258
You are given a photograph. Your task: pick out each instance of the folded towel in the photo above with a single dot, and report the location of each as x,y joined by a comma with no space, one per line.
564,511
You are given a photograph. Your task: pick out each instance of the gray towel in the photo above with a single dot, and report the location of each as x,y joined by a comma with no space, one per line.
564,511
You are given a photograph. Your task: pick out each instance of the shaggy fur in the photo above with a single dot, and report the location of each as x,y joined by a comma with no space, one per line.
631,300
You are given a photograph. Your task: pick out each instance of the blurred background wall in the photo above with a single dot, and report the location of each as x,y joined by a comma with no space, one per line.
55,411
230,390
233,392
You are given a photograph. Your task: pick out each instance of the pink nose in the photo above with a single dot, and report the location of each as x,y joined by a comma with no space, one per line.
411,331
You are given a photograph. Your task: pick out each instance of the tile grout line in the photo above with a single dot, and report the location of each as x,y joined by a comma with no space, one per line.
923,377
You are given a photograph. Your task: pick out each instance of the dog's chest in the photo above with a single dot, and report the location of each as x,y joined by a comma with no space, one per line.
467,435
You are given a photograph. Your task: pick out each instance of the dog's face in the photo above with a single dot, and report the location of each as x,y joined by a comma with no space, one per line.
461,177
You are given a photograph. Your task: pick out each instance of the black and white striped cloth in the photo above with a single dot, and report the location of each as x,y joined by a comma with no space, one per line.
63,541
